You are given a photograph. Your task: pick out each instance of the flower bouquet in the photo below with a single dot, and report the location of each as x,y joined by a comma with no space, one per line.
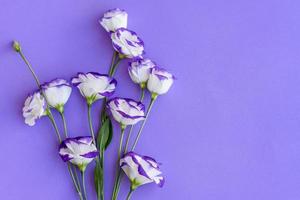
78,152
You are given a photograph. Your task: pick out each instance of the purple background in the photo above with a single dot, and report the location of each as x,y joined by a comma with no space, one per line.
228,129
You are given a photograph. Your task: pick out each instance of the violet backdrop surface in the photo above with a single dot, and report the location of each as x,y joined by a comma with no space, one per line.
228,129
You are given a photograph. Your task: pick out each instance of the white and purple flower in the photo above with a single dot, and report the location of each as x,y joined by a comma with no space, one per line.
57,93
114,19
80,151
34,108
126,111
141,170
139,70
94,86
127,43
159,81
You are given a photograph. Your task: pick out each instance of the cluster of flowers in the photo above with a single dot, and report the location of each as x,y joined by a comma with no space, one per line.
80,151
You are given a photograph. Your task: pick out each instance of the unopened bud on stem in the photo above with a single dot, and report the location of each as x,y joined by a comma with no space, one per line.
16,46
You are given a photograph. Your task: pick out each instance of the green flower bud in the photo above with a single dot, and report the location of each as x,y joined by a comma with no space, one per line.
16,46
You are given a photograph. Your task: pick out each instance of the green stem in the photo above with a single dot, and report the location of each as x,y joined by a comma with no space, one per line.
48,111
83,184
75,182
143,124
64,123
115,67
128,138
19,51
102,178
101,158
131,128
115,192
49,114
71,169
91,123
127,143
142,94
112,70
74,171
119,183
30,68
113,60
129,194
98,184
77,187
103,117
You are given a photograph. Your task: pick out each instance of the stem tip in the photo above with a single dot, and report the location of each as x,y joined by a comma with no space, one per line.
16,46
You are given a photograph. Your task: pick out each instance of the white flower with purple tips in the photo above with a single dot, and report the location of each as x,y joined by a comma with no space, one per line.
57,93
94,86
141,170
127,43
114,19
126,111
139,70
80,151
34,108
159,81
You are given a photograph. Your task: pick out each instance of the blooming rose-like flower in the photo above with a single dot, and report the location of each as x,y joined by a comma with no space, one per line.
114,19
57,93
34,108
141,170
126,111
127,43
139,70
159,81
94,86
80,151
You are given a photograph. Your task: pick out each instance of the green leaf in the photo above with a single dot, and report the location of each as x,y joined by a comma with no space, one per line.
105,134
104,138
110,135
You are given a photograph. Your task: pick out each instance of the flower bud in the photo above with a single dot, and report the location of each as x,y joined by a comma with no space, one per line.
16,46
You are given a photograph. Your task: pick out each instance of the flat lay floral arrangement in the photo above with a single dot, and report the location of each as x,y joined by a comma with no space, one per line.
79,152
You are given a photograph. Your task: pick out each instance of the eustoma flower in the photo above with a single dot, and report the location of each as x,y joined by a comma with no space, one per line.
126,111
34,108
141,170
94,86
80,151
114,19
139,71
57,93
159,81
127,43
